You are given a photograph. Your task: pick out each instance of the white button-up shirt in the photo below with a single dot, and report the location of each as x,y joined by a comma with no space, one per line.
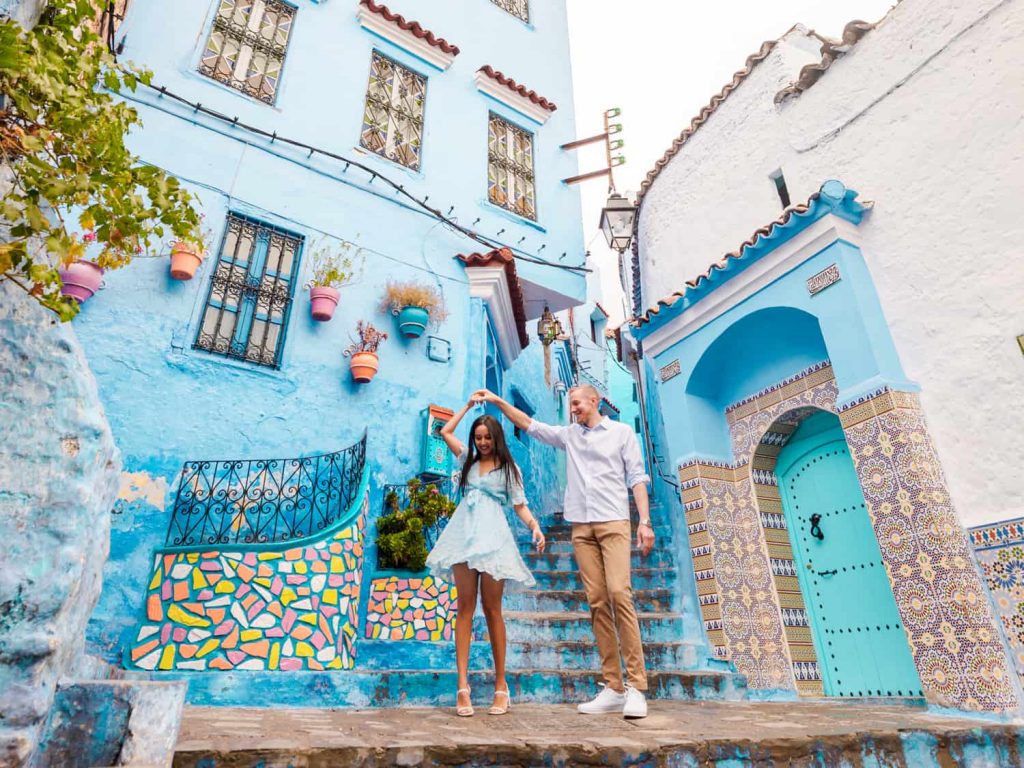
602,463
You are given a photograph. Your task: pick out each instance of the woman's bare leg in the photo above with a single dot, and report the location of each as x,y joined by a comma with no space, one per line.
491,592
466,585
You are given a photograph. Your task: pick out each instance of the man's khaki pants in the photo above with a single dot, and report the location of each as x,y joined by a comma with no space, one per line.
602,554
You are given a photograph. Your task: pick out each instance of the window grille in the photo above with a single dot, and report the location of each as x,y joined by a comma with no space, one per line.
247,46
250,293
393,120
518,8
510,168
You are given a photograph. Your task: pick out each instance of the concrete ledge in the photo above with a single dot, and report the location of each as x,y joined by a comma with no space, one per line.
675,734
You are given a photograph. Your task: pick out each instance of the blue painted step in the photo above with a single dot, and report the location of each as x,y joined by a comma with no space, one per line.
583,655
559,626
564,560
575,601
411,687
642,578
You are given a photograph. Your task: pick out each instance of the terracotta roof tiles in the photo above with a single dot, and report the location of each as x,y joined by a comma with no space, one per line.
511,84
831,50
411,26
503,256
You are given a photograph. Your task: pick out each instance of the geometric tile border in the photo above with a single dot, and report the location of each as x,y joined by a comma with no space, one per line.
950,625
411,609
287,610
999,550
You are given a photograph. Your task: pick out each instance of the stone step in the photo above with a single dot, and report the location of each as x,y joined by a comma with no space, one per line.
642,578
561,561
575,601
562,626
709,734
584,656
416,687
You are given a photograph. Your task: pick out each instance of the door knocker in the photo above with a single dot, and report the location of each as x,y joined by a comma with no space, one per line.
816,527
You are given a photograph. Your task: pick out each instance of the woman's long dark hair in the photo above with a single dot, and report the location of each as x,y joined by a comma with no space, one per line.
501,453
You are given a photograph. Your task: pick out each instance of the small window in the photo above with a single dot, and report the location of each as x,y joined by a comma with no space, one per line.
593,330
250,293
247,46
518,8
780,187
636,424
510,168
393,120
636,395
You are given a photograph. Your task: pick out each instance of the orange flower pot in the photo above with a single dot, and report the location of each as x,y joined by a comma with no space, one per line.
364,366
185,260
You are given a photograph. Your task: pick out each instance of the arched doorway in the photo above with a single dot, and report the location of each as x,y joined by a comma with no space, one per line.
857,630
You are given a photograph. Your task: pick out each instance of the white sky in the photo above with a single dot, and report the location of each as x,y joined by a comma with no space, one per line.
660,61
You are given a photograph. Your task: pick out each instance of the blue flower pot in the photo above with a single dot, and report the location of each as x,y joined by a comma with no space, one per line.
412,322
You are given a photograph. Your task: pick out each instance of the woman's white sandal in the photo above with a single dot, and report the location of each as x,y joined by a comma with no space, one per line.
496,710
463,711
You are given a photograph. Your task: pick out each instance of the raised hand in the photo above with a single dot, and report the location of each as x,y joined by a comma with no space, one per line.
485,396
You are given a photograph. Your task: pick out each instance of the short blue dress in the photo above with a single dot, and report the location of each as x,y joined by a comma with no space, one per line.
478,533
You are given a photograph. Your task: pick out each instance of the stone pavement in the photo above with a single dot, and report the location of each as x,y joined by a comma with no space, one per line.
675,734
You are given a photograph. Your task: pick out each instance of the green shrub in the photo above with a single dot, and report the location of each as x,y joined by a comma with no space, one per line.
401,540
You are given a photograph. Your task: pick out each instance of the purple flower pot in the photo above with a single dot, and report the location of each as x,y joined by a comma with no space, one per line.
80,280
323,301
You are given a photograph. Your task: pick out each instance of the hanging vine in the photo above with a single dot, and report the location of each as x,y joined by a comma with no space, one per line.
70,187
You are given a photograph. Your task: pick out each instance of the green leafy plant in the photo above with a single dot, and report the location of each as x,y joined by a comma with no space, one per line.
332,266
401,541
398,295
63,156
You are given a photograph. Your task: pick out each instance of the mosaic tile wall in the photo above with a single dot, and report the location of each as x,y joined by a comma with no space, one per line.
795,620
411,609
999,550
290,609
951,628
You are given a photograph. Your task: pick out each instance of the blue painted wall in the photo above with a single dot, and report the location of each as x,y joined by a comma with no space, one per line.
168,403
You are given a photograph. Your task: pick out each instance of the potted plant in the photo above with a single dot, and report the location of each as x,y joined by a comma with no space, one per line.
81,278
416,305
364,364
188,253
331,270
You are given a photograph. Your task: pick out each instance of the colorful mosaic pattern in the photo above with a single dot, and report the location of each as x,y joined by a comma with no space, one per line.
952,632
289,609
745,622
999,550
411,609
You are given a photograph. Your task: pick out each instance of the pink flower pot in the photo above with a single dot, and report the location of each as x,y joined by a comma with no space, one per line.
185,260
323,301
80,280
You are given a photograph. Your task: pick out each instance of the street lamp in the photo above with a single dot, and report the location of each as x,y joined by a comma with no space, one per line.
617,222
548,327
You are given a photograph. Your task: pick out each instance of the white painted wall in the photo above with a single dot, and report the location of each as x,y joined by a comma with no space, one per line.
925,116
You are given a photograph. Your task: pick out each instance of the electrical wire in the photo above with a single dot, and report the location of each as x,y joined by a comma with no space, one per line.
482,239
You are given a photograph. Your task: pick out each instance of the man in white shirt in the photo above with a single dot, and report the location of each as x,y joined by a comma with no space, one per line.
603,463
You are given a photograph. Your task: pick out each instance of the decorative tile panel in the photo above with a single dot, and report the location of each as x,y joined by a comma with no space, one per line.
411,609
950,625
276,609
999,549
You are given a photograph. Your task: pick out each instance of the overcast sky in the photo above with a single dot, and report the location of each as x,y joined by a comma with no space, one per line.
661,61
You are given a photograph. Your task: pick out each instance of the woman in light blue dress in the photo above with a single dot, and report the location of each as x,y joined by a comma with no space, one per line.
477,549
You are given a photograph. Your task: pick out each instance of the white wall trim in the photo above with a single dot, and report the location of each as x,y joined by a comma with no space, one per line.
510,98
753,279
390,31
491,285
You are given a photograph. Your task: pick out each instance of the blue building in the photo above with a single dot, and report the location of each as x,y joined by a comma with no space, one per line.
423,150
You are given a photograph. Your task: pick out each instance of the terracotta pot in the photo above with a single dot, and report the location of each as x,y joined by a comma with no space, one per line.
323,300
80,280
364,366
185,260
412,321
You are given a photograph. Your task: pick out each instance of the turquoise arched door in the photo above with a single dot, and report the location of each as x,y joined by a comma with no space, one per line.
862,647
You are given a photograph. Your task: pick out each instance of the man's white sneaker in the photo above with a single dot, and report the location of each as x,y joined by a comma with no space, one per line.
606,701
635,705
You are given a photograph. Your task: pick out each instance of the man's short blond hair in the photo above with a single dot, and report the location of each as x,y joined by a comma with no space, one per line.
589,389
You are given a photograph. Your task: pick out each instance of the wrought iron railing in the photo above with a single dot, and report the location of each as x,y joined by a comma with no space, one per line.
245,502
448,486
